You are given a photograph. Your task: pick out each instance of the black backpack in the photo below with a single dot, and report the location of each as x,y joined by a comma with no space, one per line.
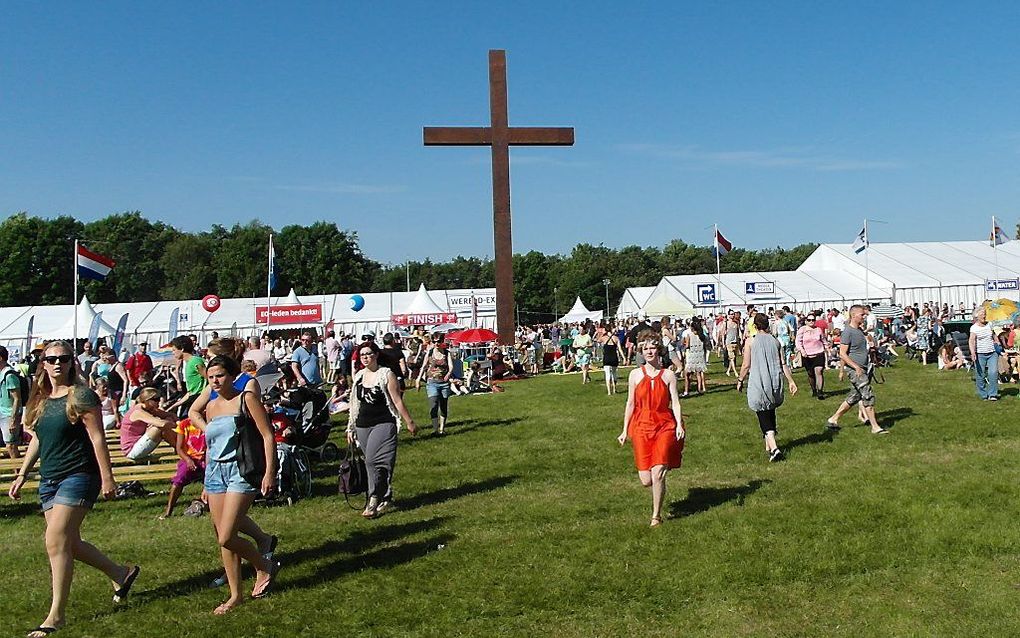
22,384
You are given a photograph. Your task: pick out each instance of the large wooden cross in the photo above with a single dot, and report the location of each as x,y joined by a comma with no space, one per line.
500,136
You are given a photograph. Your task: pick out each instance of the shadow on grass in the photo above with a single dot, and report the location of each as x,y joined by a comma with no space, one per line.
453,428
702,499
19,510
826,436
888,418
1008,392
436,497
356,544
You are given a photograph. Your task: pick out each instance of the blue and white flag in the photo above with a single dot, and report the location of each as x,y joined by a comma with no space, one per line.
118,339
998,235
175,319
94,330
272,265
861,243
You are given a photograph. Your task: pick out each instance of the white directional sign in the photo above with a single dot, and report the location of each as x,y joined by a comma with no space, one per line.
760,288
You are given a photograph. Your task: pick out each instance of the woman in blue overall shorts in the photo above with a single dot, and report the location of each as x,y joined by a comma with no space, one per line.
230,495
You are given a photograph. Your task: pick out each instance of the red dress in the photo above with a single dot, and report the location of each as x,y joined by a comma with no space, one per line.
652,427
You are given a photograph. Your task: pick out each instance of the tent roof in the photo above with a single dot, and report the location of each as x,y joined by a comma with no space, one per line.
580,313
292,299
633,299
667,299
422,303
923,264
86,313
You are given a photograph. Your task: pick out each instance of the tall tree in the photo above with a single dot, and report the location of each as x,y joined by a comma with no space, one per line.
137,245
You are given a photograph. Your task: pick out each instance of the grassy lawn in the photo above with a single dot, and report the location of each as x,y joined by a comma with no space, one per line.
527,519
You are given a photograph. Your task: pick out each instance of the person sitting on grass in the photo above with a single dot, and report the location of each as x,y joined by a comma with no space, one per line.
951,357
190,467
340,398
145,425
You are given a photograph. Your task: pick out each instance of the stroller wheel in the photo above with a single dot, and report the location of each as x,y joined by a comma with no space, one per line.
330,452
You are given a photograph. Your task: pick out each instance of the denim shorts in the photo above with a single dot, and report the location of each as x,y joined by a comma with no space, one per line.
76,490
438,388
223,476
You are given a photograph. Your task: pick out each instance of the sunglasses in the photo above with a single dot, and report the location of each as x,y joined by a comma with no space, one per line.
366,354
53,359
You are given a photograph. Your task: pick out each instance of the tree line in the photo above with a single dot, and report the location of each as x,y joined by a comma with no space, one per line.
156,261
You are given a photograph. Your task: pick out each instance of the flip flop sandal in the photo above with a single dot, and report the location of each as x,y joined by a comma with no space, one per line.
121,594
46,631
262,593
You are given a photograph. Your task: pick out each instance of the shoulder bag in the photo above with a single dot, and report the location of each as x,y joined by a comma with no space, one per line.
251,451
353,478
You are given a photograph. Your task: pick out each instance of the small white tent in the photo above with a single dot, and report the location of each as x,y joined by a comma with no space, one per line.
580,313
422,304
292,299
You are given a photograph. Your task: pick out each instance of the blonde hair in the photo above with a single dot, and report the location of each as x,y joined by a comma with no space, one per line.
227,347
42,388
145,394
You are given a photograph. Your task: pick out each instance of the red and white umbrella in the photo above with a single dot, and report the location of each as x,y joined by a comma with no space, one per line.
474,335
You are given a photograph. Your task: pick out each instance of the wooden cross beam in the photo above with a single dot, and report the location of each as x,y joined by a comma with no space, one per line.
500,136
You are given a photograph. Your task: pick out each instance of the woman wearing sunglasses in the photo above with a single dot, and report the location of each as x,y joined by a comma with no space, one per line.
64,417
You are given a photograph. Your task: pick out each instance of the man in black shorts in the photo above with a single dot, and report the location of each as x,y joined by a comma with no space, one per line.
853,352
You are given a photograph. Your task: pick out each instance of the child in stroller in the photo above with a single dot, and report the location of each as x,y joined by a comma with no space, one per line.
300,418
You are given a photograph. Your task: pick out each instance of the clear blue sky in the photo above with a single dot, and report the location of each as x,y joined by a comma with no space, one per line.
783,122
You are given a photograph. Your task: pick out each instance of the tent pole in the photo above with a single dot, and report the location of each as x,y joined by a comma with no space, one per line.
995,258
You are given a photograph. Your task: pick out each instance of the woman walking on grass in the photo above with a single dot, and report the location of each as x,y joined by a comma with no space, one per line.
612,352
376,409
230,495
695,344
64,417
763,368
810,344
653,422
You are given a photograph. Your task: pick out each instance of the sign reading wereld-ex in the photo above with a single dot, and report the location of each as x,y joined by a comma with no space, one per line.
760,288
1002,284
705,294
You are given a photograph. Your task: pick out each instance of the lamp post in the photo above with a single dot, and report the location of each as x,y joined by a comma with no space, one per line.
556,303
605,282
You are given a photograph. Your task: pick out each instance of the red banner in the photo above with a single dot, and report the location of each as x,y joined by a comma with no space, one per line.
427,319
311,313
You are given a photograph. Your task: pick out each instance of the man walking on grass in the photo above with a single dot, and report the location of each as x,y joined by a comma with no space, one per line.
10,406
853,353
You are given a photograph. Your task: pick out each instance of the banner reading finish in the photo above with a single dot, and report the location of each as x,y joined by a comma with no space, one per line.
310,313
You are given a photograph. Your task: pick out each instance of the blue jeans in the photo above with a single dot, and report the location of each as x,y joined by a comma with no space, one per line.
987,369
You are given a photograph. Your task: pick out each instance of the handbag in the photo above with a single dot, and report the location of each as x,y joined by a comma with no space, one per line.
251,451
353,477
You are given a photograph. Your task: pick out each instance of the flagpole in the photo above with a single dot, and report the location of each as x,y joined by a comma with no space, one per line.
995,256
74,304
718,278
269,286
867,270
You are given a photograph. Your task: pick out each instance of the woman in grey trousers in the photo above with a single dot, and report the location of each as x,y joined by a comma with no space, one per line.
374,420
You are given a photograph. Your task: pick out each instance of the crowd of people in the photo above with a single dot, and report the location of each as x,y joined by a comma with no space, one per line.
201,402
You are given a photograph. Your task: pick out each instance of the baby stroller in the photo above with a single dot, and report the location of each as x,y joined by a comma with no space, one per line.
300,419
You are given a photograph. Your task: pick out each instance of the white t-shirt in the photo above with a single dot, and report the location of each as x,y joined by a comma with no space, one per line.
984,342
839,322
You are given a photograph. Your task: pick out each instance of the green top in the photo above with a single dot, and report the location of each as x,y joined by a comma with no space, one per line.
9,383
65,447
194,381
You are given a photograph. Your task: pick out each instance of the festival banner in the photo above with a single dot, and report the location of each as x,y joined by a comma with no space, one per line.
94,330
118,339
28,337
304,313
175,318
424,319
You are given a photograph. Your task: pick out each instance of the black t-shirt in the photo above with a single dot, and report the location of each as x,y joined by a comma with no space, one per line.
372,407
390,358
632,336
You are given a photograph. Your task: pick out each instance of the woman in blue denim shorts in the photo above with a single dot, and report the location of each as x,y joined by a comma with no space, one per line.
67,426
230,495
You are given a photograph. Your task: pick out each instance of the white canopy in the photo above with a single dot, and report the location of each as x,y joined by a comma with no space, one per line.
580,313
292,299
86,313
422,304
632,301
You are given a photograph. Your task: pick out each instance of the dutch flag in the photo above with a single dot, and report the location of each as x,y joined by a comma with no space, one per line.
93,265
722,245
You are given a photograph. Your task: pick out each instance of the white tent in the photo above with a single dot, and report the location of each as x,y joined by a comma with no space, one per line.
422,304
580,313
667,299
632,301
86,313
292,299
950,272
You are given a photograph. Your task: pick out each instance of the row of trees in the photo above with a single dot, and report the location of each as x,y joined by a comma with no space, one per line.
157,261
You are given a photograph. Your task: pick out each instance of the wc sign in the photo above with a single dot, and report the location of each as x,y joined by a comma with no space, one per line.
705,294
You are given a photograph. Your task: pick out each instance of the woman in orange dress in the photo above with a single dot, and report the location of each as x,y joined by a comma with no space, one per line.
653,422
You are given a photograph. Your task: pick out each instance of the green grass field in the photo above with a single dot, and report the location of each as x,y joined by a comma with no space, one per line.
527,519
